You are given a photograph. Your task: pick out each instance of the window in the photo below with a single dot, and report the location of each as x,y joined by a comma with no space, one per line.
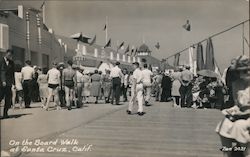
4,36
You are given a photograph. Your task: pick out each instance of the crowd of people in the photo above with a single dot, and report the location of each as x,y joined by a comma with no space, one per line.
70,86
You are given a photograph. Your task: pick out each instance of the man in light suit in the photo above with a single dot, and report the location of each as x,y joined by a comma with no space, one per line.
137,91
7,80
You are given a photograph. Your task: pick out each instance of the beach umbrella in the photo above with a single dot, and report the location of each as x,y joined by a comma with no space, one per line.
199,57
208,73
210,64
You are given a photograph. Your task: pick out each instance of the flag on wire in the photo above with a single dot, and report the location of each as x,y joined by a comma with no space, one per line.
127,50
105,27
176,59
157,45
121,45
108,44
42,5
93,41
187,26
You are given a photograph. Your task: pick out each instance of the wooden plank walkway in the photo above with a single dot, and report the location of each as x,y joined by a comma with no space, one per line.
163,132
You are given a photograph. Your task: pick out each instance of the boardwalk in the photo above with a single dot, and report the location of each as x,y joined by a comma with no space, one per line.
163,131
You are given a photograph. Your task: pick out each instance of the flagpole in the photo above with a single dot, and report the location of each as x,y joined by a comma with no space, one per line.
106,30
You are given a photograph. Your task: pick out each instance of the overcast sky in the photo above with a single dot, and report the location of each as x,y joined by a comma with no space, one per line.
155,21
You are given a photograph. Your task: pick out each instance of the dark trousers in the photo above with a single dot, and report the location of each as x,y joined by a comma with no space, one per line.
124,92
186,96
116,90
177,100
79,95
6,93
27,86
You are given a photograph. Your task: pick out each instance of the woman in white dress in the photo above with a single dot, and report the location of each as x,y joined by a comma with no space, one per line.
175,88
43,86
86,83
17,90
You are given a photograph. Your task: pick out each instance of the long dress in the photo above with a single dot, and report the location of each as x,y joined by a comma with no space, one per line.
107,85
86,83
43,85
95,85
166,88
176,84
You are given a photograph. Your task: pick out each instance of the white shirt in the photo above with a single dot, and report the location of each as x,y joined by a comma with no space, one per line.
53,76
137,74
147,74
27,72
79,77
116,72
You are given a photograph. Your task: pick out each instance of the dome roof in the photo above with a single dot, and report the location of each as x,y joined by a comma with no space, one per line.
144,48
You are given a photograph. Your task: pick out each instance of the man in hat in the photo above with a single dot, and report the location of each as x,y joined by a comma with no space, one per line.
7,79
79,85
186,79
147,83
137,90
116,75
27,75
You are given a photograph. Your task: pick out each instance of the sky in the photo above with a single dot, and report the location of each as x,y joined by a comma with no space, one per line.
152,21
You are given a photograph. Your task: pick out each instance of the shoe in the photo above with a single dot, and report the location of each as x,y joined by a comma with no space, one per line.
129,112
146,103
96,102
6,116
140,113
27,107
69,108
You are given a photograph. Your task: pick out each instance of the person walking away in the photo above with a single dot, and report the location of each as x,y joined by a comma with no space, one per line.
116,75
125,80
147,83
35,96
95,90
18,89
79,86
27,75
137,91
176,87
107,84
157,81
61,89
53,78
43,86
86,88
69,80
7,80
186,87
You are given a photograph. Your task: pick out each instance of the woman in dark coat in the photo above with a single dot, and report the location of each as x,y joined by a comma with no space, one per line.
95,85
166,86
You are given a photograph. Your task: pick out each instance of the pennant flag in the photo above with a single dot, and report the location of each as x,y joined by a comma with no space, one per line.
187,26
108,44
121,45
210,63
135,52
199,57
105,27
176,59
42,5
157,45
127,50
93,41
